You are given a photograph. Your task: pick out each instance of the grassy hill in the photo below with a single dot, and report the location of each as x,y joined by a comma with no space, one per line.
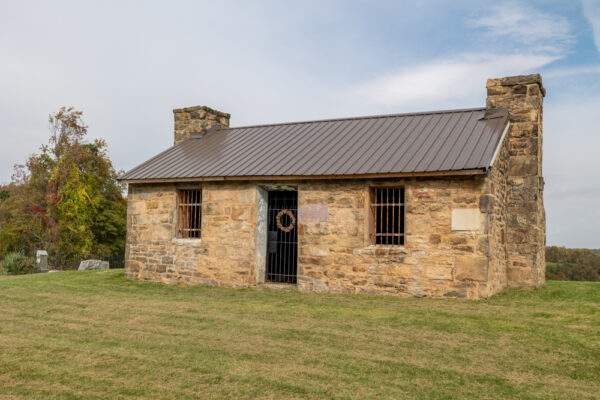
96,335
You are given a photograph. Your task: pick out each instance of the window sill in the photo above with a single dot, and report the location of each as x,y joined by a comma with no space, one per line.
383,250
187,242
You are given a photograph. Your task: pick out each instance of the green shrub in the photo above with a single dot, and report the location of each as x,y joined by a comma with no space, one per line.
18,264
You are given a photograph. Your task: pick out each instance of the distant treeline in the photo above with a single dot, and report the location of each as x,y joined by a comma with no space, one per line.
564,264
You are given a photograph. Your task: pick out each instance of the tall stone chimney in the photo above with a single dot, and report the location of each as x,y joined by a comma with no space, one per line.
197,119
526,219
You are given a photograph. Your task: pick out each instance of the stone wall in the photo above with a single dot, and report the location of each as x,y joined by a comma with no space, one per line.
496,205
197,119
337,256
224,256
446,254
526,230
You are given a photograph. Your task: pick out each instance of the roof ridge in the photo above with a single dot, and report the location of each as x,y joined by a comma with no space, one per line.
362,117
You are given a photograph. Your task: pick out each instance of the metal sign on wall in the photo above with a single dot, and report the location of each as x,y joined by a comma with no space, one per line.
313,213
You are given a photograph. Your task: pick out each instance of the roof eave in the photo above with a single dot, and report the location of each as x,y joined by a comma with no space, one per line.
424,174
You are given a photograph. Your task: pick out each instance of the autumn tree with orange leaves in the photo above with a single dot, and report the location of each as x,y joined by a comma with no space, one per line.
66,199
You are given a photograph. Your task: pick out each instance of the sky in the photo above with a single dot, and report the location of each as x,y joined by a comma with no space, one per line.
128,64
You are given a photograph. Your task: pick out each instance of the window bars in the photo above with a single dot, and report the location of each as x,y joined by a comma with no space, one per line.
387,216
189,215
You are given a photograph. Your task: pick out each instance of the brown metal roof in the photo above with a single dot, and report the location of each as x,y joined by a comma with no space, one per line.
454,140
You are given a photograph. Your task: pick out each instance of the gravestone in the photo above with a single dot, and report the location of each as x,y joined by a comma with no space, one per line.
42,260
87,265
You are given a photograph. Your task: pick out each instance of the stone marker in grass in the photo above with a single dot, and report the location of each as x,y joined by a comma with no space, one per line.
92,264
42,260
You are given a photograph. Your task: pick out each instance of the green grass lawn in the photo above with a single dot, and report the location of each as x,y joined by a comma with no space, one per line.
97,335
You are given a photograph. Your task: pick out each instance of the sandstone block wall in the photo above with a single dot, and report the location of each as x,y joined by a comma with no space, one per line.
337,256
526,223
225,254
445,254
496,204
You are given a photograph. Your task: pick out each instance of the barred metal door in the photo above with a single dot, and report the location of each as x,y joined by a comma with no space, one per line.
282,240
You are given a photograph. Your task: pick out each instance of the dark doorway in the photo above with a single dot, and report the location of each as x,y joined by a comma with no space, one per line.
282,237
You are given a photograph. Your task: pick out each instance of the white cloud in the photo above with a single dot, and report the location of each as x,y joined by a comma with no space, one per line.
591,10
527,26
527,40
450,83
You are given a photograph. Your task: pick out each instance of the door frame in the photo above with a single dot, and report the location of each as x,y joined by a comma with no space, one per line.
282,238
262,228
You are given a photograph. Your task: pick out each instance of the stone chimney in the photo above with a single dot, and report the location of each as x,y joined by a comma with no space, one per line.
197,119
526,219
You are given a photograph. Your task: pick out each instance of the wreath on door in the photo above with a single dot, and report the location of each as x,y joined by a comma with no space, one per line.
292,220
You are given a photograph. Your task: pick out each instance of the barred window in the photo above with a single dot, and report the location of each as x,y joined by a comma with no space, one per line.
387,216
189,214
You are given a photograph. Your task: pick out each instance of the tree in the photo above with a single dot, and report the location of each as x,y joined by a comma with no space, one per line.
572,264
66,199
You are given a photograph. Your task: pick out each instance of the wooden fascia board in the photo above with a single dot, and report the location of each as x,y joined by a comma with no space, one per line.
463,172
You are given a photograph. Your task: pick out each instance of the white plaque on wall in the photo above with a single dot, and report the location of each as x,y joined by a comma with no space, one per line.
465,219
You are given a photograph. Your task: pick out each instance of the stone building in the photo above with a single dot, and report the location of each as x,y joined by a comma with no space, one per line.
443,204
